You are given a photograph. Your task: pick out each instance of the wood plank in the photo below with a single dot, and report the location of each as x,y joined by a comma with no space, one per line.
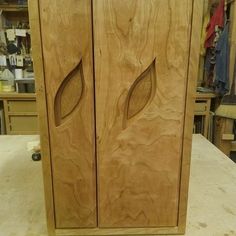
43,114
17,95
232,40
202,50
7,122
189,111
13,8
204,95
66,33
119,231
23,113
139,157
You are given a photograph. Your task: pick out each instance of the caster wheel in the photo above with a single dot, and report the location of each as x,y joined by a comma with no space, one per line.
36,156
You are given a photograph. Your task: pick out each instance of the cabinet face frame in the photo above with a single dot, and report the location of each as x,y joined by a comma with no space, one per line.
44,131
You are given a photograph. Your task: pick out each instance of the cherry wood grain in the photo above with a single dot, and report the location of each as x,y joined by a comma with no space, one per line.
139,164
69,94
189,111
66,33
139,111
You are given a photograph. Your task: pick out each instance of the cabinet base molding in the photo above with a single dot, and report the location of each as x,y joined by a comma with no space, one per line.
119,231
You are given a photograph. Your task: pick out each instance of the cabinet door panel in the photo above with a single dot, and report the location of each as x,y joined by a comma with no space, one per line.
141,65
67,52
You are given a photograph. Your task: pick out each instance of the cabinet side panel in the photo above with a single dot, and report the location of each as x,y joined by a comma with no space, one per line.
188,126
141,68
42,112
66,31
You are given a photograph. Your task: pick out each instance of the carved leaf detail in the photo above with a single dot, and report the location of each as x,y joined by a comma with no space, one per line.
141,92
69,94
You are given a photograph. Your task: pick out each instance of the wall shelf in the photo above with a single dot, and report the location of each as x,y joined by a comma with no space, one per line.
12,8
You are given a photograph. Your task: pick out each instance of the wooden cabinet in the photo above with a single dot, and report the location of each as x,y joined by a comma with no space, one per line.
116,92
20,113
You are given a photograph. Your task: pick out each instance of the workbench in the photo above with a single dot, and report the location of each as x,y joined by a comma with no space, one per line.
212,192
20,113
211,202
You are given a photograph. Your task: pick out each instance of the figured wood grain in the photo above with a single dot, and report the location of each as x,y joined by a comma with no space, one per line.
42,107
69,95
66,33
139,166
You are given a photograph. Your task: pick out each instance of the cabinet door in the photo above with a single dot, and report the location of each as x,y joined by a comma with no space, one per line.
141,65
67,52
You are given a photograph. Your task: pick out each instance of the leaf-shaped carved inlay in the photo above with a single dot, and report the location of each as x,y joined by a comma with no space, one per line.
141,92
69,94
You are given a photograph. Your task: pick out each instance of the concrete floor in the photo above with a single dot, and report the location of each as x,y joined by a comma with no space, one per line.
21,189
212,193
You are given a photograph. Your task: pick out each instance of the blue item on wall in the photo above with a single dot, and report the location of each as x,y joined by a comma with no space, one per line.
222,62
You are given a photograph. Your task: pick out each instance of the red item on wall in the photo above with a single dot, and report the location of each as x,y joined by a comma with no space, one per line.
216,20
